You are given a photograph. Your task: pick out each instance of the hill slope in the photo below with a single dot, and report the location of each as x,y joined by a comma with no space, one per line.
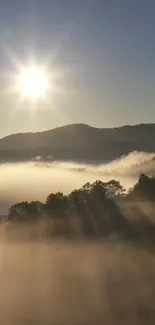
79,142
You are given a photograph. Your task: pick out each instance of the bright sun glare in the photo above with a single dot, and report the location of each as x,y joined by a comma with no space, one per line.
33,83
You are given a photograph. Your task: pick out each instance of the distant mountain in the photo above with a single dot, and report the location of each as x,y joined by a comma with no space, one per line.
78,142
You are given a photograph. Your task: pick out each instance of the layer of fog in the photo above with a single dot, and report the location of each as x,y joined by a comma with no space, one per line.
76,284
35,180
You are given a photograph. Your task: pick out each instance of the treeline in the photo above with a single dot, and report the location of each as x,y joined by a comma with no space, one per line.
97,209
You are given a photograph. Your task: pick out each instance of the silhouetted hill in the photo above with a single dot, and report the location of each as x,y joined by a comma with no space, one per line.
79,142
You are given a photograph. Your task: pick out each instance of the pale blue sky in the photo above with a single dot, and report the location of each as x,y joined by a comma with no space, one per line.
105,50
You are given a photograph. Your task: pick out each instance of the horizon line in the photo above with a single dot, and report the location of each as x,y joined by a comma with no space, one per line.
78,124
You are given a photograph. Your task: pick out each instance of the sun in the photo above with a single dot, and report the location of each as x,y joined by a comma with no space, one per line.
32,83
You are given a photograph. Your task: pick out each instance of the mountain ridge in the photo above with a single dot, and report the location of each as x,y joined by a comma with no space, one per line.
80,142
85,125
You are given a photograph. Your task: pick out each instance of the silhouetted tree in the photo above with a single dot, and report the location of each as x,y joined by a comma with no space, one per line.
79,208
96,196
18,211
144,188
56,208
56,205
25,211
94,207
114,189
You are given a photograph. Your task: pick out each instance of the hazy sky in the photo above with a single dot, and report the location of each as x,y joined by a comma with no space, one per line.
103,49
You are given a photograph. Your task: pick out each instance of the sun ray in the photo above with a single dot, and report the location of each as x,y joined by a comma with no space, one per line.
37,83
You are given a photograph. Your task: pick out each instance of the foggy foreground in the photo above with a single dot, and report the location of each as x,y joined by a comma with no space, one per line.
76,283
